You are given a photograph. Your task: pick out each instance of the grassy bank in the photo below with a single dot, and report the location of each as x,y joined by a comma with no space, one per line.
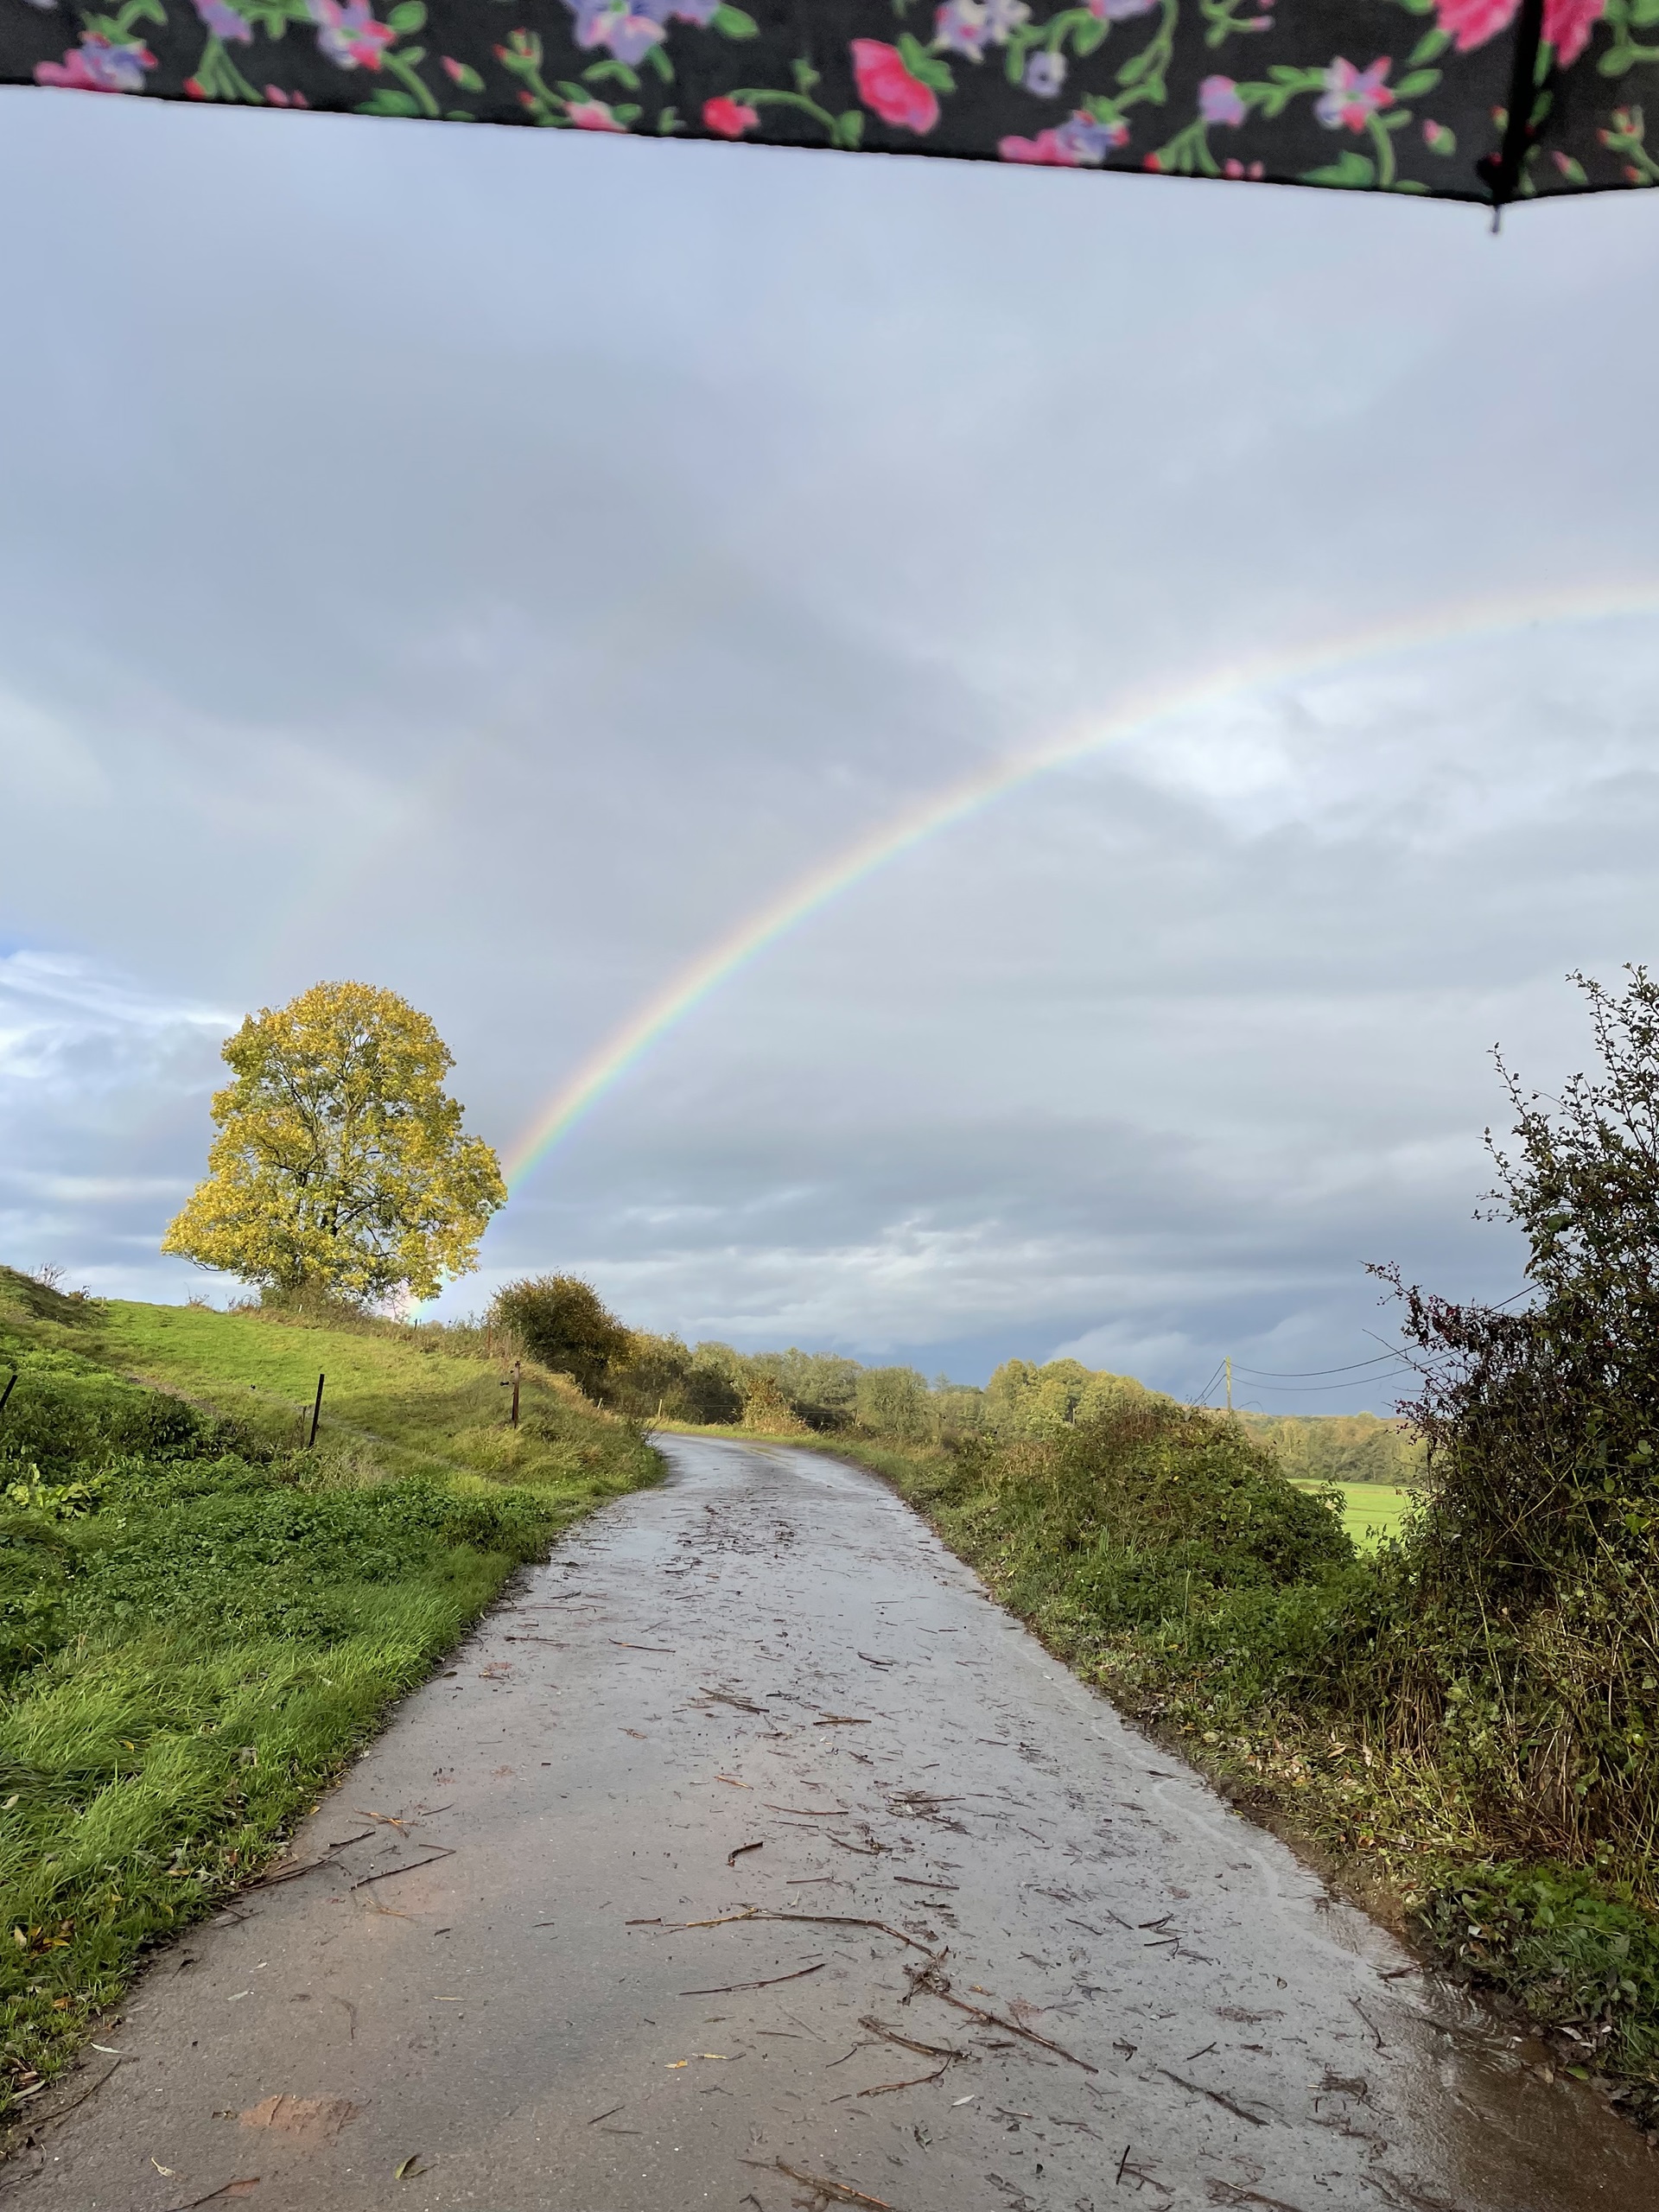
199,1621
1322,1677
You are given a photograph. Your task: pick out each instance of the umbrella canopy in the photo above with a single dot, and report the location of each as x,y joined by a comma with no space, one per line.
1488,101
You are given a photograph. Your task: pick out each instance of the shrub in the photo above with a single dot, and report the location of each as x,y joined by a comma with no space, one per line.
55,1421
1156,1482
561,1323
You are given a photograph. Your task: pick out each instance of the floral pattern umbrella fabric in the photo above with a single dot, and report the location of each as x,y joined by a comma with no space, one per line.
1489,100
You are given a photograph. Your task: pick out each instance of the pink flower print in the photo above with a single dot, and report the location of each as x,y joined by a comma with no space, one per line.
278,98
1438,138
593,115
348,34
1242,172
1567,26
728,117
887,86
1081,142
1567,23
1471,22
1219,101
1046,150
1119,11
1351,96
97,65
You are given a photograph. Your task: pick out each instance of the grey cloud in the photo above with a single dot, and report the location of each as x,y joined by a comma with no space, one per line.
495,565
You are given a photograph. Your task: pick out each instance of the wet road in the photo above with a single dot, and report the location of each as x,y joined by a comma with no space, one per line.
993,1950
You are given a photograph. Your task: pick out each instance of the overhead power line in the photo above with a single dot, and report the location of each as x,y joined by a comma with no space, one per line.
1202,1396
1308,1374
1319,1389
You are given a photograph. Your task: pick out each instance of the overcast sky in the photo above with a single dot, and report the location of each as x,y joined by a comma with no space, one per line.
493,564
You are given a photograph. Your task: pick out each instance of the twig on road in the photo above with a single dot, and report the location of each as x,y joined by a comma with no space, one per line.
311,1865
836,2192
1216,2096
909,2043
439,1851
916,2082
44,2120
934,1983
730,1988
226,2189
817,1920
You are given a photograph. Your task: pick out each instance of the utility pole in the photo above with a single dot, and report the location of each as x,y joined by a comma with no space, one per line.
316,1414
1229,1382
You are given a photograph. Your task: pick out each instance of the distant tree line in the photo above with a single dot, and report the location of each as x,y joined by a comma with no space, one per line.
560,1322
1339,1447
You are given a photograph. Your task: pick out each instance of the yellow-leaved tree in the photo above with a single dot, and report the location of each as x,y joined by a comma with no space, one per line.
341,1164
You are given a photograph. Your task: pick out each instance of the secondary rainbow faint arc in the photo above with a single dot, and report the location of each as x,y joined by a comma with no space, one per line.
685,991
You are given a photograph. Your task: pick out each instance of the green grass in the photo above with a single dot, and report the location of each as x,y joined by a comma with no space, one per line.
200,1622
1370,1511
403,1399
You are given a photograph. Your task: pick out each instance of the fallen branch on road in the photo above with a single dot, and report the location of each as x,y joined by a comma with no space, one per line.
818,1920
836,2192
930,1980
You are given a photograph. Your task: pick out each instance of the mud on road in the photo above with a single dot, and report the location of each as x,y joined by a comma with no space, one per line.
755,1858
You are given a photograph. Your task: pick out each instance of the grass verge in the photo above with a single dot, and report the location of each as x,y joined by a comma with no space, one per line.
200,1622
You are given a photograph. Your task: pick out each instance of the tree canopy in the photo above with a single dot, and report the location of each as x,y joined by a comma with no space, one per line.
341,1164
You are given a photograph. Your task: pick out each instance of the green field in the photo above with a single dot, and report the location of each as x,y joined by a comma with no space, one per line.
1371,1510
200,1620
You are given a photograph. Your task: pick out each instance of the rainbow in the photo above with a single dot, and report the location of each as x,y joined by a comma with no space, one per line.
681,995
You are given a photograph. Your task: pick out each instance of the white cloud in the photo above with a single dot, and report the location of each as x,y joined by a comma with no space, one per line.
103,1094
